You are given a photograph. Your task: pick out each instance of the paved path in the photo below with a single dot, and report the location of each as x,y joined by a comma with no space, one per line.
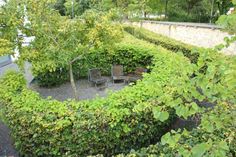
6,143
28,74
4,69
7,148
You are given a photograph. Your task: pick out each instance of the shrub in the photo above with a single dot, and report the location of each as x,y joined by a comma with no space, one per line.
125,53
12,82
210,92
52,78
214,137
168,43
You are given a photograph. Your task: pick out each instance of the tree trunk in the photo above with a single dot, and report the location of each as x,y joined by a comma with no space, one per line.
188,9
145,14
220,8
212,10
166,8
72,81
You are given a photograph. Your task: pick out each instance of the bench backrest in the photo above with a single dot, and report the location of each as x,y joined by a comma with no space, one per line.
117,70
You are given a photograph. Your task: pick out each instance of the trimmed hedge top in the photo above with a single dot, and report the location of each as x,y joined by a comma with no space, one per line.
170,44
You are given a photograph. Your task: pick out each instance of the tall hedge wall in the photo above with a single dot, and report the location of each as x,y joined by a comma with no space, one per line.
124,120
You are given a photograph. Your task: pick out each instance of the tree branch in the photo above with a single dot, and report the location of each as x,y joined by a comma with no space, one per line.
80,56
75,59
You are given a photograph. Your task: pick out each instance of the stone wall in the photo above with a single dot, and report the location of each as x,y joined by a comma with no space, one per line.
202,35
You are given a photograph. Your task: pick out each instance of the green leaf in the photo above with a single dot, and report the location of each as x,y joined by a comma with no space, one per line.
199,149
164,116
160,115
172,140
165,138
234,2
207,125
194,106
223,145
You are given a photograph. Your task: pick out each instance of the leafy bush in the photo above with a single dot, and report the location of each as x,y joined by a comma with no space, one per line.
208,94
13,81
214,79
54,78
214,137
228,22
170,44
125,53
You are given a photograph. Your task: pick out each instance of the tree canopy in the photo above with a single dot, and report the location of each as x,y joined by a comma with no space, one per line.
173,10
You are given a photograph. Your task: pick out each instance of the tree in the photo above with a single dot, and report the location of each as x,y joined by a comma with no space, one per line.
80,6
10,22
60,6
61,41
166,8
228,22
223,6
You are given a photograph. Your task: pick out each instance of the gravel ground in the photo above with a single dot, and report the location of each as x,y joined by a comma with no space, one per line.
85,89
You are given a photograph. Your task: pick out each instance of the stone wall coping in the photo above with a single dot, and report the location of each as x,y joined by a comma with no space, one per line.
186,24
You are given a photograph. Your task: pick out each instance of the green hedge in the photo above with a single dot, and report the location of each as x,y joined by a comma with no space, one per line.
166,42
124,53
198,142
134,117
213,90
126,119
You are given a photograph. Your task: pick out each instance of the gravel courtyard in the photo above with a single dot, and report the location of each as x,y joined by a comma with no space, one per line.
85,89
